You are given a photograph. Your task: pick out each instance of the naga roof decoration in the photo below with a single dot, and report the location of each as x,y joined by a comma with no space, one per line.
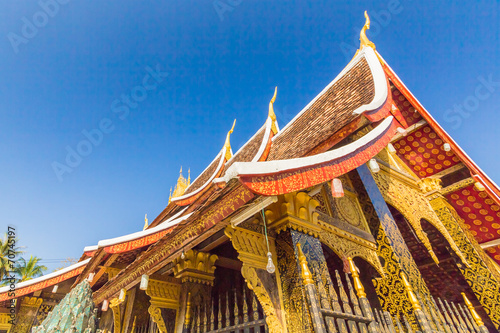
44,281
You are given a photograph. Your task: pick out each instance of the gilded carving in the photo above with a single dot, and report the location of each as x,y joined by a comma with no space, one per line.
252,251
414,206
26,315
112,272
295,211
251,246
168,245
344,248
196,267
480,274
114,305
164,294
254,283
430,184
156,316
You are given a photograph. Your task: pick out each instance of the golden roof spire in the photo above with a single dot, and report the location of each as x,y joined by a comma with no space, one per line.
181,186
170,196
272,115
146,222
364,41
227,145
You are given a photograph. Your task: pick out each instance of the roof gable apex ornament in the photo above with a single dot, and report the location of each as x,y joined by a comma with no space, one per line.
364,41
181,186
271,114
227,145
146,225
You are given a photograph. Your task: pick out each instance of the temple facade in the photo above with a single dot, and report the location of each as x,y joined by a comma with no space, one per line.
360,215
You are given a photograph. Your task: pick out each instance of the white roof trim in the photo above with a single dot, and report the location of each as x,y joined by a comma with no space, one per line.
46,277
221,161
263,144
140,234
90,248
267,167
379,80
377,73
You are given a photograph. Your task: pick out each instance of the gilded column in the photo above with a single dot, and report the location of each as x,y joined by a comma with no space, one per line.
391,248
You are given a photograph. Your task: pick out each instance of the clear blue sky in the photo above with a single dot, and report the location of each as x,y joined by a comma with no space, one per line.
223,60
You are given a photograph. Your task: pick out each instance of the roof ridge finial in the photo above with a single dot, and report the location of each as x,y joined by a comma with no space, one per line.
227,145
364,41
146,225
271,114
189,176
170,196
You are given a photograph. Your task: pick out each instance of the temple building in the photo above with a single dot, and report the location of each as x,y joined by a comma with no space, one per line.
360,215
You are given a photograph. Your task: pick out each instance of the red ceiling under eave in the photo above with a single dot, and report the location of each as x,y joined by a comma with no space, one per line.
409,113
480,213
423,152
494,252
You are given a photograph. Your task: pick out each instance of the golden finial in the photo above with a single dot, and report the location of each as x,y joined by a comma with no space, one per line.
180,187
306,273
362,36
473,312
227,145
360,289
145,222
187,319
411,295
272,115
170,196
189,176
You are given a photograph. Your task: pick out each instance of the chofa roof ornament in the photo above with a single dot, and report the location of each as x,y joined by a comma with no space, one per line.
364,41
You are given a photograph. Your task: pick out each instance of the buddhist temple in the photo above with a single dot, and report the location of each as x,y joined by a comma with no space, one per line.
360,215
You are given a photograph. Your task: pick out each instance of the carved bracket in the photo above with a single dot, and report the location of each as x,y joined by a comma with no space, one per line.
196,267
295,211
254,283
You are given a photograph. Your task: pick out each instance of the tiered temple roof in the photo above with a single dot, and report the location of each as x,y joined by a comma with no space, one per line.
349,122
